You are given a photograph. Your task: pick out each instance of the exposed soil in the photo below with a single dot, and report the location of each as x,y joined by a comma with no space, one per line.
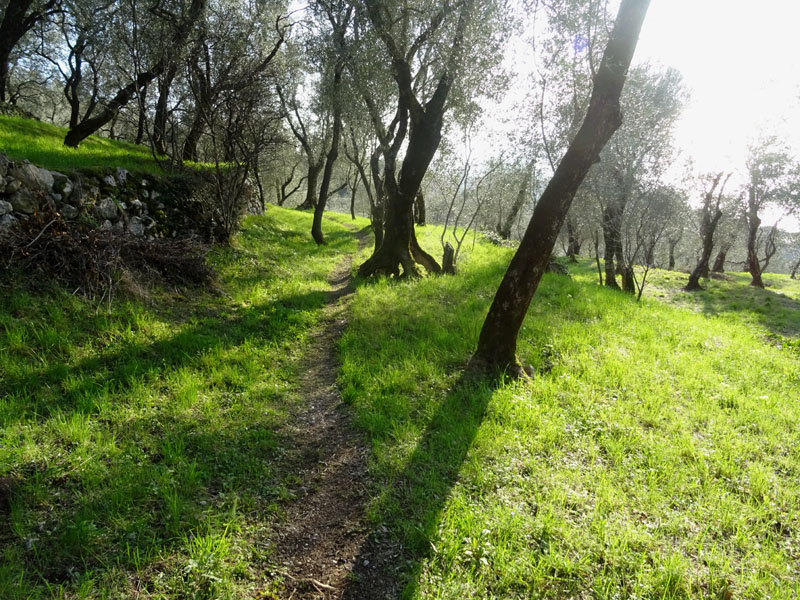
325,548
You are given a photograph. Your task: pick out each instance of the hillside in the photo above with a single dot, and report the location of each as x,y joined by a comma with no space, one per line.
153,447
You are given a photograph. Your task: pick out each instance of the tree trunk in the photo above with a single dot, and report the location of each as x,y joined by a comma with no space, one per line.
311,186
333,154
400,247
628,284
162,111
671,264
573,243
794,269
719,262
16,22
597,256
753,265
419,209
497,344
504,226
142,115
611,243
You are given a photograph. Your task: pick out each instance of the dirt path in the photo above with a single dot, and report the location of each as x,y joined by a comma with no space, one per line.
325,531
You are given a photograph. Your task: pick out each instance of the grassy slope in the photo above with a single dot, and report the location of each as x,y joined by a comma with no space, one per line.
43,145
143,445
657,455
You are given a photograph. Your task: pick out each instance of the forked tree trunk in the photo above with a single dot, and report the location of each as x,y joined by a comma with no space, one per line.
497,344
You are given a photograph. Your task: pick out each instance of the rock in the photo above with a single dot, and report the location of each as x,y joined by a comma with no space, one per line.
145,194
138,207
56,197
136,226
5,207
122,175
154,195
61,184
25,201
3,165
13,186
33,177
118,227
145,183
106,209
69,212
6,222
106,226
110,181
148,223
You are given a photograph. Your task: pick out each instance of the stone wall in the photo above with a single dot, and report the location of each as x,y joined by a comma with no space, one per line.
114,199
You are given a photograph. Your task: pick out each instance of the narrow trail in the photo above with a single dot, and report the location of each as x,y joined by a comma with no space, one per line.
325,530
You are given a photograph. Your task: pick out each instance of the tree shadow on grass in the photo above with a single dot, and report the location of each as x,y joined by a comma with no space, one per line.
774,311
418,495
63,386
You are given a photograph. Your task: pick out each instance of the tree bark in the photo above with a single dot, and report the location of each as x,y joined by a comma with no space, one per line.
671,263
16,22
612,243
498,338
162,110
419,208
719,262
504,226
753,223
708,225
573,242
333,154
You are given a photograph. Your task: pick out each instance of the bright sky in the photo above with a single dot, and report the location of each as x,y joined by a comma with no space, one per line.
741,62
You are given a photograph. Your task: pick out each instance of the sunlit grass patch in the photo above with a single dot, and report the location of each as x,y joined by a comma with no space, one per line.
653,455
141,447
43,145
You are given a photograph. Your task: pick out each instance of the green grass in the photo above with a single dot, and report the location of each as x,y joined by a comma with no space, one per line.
143,445
655,455
43,145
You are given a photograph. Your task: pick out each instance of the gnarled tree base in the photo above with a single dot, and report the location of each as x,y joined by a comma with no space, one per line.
399,259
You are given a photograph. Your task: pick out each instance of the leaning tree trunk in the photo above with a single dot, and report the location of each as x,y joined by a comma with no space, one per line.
753,264
498,338
701,269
